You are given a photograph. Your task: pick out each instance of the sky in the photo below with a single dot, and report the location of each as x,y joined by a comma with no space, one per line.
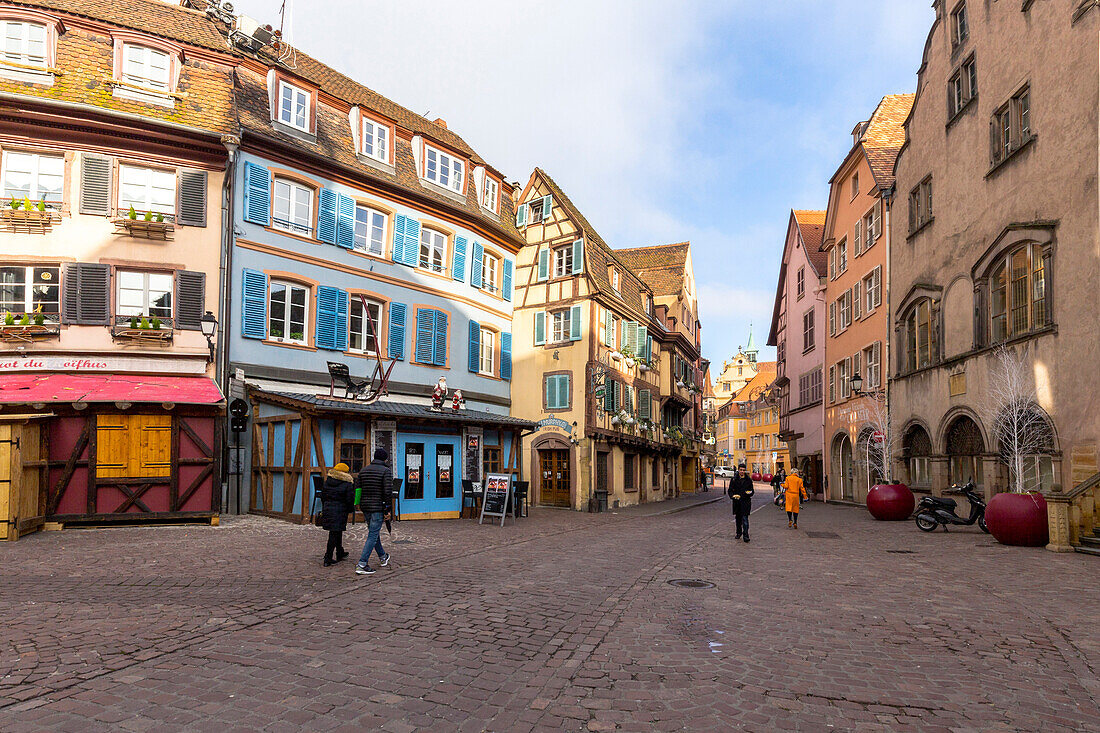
695,120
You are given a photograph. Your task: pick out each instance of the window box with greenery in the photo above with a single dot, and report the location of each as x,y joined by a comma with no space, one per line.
145,224
142,329
28,327
24,215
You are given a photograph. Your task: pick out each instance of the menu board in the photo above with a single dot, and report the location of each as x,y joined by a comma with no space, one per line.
498,494
472,455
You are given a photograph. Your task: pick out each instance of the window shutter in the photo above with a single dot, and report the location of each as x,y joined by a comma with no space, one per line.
326,216
628,399
609,329
551,389
878,286
425,335
877,219
396,344
192,192
832,318
439,350
609,396
547,203
190,298
70,293
458,262
87,294
257,194
345,222
477,254
855,300
475,346
856,231
342,320
505,355
406,240
95,185
643,342
649,347
506,285
645,398
575,323
521,215
328,309
253,304
618,395
544,264
578,257
540,328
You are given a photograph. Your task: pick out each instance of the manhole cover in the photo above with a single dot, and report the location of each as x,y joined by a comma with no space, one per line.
689,583
901,552
402,542
823,535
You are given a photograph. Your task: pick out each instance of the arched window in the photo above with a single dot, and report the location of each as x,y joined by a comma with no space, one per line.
918,334
1025,442
918,456
1017,293
965,447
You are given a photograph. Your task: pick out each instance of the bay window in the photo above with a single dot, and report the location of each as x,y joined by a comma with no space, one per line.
370,231
288,306
293,210
443,169
433,250
145,294
1017,293
146,190
31,289
35,177
362,331
918,335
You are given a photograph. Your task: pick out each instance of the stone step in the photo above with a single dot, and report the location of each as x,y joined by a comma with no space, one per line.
1088,550
1091,540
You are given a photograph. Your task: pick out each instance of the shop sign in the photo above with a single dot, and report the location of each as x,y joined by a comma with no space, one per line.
555,423
90,364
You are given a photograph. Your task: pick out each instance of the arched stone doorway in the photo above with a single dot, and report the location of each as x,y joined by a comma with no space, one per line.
917,447
552,472
844,471
964,446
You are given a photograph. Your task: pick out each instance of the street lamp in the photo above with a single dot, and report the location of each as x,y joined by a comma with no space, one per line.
856,383
209,325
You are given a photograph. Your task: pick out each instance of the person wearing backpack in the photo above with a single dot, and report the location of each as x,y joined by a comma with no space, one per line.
337,498
740,491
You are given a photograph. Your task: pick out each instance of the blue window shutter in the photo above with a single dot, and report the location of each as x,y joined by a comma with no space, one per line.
544,264
477,254
578,257
406,240
547,203
439,352
345,222
257,194
326,216
458,266
397,330
575,323
475,345
505,355
342,320
551,390
521,215
506,286
540,328
328,317
425,333
253,304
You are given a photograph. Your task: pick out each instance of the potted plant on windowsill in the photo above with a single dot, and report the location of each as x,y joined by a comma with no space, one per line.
27,214
615,355
628,357
150,224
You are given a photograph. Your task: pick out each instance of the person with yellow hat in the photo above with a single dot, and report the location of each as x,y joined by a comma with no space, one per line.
337,498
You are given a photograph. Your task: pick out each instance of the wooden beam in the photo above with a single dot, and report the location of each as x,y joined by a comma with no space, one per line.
133,497
194,486
199,442
70,467
174,468
319,452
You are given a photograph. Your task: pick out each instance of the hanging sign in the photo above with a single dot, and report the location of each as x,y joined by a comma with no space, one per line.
498,495
555,422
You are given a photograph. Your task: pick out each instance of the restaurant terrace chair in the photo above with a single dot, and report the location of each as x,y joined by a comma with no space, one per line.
468,492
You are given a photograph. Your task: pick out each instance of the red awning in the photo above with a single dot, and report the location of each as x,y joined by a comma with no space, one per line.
53,388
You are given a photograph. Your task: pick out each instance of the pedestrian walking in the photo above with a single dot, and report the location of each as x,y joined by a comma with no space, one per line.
375,483
795,493
740,490
337,499
777,484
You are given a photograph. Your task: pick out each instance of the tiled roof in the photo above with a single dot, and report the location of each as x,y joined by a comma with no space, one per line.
811,225
765,374
885,136
662,266
387,408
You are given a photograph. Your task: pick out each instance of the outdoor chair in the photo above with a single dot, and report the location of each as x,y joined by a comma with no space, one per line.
340,376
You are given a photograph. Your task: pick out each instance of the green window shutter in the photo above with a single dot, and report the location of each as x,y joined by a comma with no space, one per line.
578,257
630,336
540,328
575,323
544,264
645,398
609,396
563,390
618,395
547,204
521,215
643,342
609,330
550,390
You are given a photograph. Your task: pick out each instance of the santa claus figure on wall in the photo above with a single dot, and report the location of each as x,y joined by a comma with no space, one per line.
457,402
439,394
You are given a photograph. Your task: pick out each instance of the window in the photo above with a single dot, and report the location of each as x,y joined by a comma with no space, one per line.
294,106
433,249
872,230
492,459
800,282
146,67
920,205
535,210
35,177
487,352
376,140
872,366
563,261
489,269
147,294
25,43
962,87
1010,128
557,390
615,280
807,330
809,387
146,190
918,336
855,185
1017,290
740,444
443,169
843,371
489,194
30,289
293,207
370,231
286,312
872,290
832,384
842,256
361,332
960,26
844,310
561,325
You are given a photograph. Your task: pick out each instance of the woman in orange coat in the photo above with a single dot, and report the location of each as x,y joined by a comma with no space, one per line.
794,491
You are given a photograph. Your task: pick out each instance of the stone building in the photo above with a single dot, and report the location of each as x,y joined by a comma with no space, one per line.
997,192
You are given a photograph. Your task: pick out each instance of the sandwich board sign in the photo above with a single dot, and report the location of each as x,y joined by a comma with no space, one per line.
498,497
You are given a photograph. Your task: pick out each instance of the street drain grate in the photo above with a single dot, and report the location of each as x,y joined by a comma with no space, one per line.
823,535
690,583
902,552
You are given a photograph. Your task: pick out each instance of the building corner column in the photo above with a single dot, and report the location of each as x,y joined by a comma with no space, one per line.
1059,511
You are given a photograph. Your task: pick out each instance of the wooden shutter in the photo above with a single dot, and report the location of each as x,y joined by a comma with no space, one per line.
645,407
190,298
832,318
578,257
345,222
547,203
439,348
477,256
425,333
458,262
877,219
332,318
506,285
326,215
540,328
112,446
95,185
878,286
521,215
253,304
609,329
575,323
191,210
643,342
475,347
151,446
257,194
550,390
397,330
86,294
506,356
855,300
544,264
609,396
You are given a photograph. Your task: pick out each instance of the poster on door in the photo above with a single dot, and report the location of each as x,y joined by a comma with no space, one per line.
444,468
412,467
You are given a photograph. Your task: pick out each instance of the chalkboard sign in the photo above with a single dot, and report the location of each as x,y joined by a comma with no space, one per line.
498,497
472,454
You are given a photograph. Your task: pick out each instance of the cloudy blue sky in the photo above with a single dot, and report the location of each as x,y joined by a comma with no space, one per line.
664,121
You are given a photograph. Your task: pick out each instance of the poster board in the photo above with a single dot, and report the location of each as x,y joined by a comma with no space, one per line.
498,497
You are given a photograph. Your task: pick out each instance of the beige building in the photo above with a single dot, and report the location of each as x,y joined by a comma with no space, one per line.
597,362
736,372
1008,253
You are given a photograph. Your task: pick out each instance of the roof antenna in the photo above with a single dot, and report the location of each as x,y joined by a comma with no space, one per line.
286,17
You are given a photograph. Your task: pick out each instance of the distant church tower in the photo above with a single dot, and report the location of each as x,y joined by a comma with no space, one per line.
737,372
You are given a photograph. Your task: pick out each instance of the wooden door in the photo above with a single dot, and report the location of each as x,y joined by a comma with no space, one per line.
554,479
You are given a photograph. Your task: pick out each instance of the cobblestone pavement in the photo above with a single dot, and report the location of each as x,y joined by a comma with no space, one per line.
563,621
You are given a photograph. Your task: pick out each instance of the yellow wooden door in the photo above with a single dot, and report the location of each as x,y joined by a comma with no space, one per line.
133,446
112,446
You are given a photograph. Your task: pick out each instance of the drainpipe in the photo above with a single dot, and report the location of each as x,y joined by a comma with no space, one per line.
221,363
887,221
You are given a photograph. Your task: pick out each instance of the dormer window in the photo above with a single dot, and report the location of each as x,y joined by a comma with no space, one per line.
615,279
25,43
376,140
294,106
28,45
490,194
145,67
443,169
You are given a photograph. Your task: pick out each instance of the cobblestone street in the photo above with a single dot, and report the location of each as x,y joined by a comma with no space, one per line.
563,621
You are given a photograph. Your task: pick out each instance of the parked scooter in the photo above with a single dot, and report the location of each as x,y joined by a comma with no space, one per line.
935,510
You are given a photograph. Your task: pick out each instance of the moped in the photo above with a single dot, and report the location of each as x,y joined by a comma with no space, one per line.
935,510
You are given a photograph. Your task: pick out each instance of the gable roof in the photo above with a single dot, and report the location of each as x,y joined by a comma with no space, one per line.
885,136
811,227
662,265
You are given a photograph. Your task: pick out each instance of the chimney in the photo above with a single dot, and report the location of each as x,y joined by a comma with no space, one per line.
441,122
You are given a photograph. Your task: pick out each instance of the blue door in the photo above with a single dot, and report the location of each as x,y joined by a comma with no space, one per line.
431,470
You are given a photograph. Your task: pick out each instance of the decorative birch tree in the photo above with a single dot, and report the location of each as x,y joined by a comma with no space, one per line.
1018,423
877,455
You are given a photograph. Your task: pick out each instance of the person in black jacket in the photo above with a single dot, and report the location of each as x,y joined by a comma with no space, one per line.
337,498
376,496
741,490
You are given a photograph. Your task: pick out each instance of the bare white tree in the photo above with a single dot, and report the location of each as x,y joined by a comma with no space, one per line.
1013,408
877,454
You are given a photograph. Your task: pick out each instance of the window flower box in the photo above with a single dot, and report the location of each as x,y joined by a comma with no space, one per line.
28,328
143,330
29,219
145,225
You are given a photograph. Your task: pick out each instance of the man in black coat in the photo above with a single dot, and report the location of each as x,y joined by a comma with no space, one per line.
741,491
375,499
